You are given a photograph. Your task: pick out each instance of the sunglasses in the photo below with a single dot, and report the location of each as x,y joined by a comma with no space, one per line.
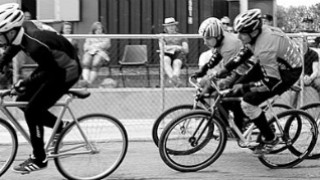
225,23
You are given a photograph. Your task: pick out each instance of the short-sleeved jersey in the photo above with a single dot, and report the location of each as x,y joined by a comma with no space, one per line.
229,48
310,57
273,46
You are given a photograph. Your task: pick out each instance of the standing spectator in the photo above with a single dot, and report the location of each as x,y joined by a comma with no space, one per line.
95,53
175,51
27,15
307,26
311,70
267,19
67,28
226,24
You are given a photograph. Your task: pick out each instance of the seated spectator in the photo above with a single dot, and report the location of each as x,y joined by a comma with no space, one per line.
311,69
67,28
267,19
175,51
95,53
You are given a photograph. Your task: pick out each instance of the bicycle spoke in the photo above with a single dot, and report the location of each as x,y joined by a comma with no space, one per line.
194,148
106,150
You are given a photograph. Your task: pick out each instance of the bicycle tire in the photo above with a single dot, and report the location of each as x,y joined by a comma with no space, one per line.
106,135
212,150
167,116
314,110
9,146
288,153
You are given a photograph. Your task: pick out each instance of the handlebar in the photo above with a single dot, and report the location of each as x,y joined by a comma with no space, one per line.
7,92
193,82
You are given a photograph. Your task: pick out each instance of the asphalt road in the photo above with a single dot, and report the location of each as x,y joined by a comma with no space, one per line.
143,162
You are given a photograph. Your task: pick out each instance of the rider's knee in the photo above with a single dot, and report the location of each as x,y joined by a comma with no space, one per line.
250,110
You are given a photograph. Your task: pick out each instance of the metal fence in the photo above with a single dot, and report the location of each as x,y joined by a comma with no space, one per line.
140,102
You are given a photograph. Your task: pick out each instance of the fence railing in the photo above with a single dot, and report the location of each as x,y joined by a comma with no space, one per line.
139,107
160,38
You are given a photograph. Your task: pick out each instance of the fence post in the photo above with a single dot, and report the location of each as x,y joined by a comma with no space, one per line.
161,43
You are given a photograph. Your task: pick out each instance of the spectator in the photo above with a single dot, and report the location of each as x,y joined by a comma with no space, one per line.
307,26
27,15
311,70
226,24
267,19
175,51
95,53
67,28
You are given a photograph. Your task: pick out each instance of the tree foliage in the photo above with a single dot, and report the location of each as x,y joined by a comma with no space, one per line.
289,19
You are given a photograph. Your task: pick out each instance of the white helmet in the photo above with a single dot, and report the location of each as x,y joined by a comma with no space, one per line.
248,21
211,27
10,17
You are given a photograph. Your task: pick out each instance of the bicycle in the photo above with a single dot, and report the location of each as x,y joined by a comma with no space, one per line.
196,139
314,110
198,103
97,142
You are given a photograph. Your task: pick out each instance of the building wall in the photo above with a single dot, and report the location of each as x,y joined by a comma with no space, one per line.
147,16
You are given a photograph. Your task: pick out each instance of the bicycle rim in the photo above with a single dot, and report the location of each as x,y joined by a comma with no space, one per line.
108,139
298,140
166,117
180,138
8,146
314,110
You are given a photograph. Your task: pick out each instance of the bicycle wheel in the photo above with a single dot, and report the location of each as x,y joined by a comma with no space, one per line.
198,132
314,110
297,141
8,145
166,117
106,148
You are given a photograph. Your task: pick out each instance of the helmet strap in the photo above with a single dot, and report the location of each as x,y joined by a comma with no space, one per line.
219,41
7,38
253,39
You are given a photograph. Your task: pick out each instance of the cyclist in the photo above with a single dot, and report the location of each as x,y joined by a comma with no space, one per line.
224,46
58,70
279,65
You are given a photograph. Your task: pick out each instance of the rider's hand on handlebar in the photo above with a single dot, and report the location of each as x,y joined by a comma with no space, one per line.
222,73
19,87
197,74
206,91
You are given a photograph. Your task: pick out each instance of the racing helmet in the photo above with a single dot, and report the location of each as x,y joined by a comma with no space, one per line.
10,17
211,27
248,21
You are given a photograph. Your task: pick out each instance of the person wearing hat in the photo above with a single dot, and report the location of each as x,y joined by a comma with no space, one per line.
267,19
175,51
307,27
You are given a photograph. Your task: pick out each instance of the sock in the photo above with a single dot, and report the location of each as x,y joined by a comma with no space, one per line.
262,124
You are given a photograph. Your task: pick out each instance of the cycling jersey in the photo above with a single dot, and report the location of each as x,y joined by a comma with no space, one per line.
229,48
274,51
48,49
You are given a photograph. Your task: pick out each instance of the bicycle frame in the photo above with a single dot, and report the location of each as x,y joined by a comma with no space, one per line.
5,105
244,137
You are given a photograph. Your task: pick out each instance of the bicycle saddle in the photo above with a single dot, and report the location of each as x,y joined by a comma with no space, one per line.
82,94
